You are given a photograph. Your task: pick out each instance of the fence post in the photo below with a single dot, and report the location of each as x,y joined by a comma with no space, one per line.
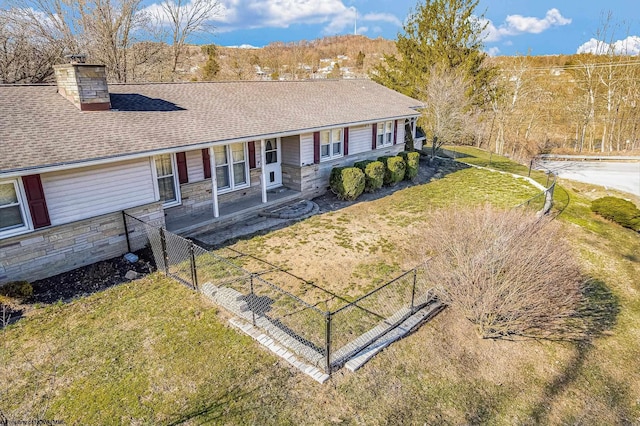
194,270
126,230
413,290
327,367
253,307
165,256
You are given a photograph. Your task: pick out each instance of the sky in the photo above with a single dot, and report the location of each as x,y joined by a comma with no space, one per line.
536,27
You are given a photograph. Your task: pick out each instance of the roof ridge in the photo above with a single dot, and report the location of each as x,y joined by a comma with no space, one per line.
309,80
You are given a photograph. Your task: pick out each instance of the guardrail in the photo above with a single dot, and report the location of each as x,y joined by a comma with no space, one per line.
588,157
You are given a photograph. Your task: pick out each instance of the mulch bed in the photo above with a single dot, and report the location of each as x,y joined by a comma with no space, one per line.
79,282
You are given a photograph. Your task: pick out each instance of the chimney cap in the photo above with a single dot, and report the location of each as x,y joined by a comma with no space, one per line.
77,58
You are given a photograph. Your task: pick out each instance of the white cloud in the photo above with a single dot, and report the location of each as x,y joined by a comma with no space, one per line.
518,24
334,14
346,20
493,51
382,17
526,24
628,46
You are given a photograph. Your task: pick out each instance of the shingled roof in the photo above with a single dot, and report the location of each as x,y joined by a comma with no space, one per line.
39,128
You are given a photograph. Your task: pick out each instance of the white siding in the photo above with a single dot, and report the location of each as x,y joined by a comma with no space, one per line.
359,139
195,169
306,149
92,191
291,150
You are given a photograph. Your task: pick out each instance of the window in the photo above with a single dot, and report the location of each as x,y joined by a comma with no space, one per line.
231,166
271,151
12,212
331,144
166,179
385,134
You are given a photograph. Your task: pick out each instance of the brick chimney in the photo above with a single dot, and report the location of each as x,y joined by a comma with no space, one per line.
83,84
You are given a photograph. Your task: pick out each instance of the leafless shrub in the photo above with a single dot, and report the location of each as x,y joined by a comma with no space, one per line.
508,272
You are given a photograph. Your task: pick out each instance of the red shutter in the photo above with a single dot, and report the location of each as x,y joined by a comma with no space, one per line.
252,154
346,141
35,200
395,132
374,136
181,159
316,147
206,163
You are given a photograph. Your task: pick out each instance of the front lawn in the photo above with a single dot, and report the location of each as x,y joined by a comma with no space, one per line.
153,352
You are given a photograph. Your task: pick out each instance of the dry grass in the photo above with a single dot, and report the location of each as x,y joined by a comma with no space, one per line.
352,251
152,352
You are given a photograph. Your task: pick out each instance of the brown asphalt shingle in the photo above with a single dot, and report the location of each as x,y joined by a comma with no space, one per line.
38,127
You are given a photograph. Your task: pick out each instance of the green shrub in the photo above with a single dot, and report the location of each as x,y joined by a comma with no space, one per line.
17,290
373,174
335,178
621,211
412,159
395,168
347,182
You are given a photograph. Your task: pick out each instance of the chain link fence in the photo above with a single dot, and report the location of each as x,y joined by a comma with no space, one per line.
320,326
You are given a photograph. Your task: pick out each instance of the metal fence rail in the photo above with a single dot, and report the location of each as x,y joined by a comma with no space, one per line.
320,326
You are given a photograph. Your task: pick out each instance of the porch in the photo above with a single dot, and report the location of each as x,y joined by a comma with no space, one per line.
230,212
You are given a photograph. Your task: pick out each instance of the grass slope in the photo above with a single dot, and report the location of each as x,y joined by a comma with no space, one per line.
152,352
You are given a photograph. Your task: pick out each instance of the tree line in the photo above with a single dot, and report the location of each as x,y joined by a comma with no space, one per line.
133,41
520,105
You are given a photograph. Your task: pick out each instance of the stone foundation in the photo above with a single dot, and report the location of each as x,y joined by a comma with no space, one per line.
57,249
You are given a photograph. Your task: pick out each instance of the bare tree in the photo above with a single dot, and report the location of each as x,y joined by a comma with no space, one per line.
33,36
447,105
110,27
181,19
105,30
25,57
508,272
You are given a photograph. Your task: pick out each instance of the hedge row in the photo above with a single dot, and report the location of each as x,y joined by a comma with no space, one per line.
369,175
618,210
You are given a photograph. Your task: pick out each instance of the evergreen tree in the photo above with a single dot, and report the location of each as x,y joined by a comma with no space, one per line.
211,67
360,60
439,33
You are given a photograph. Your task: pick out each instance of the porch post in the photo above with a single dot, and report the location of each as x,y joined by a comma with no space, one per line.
263,173
414,123
214,182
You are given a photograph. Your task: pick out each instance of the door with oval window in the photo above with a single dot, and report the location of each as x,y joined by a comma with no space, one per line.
273,162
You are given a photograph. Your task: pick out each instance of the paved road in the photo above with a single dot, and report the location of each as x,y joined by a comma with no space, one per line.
622,176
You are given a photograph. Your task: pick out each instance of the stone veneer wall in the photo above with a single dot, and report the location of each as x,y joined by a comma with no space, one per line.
53,250
313,180
197,196
84,85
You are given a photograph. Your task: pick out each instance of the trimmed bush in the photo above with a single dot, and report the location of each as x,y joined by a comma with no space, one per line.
347,182
373,174
617,210
335,178
412,159
395,168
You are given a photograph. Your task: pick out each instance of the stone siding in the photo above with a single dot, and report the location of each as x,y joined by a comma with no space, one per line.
84,85
313,180
53,250
197,196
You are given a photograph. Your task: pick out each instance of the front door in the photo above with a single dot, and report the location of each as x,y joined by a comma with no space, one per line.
273,167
